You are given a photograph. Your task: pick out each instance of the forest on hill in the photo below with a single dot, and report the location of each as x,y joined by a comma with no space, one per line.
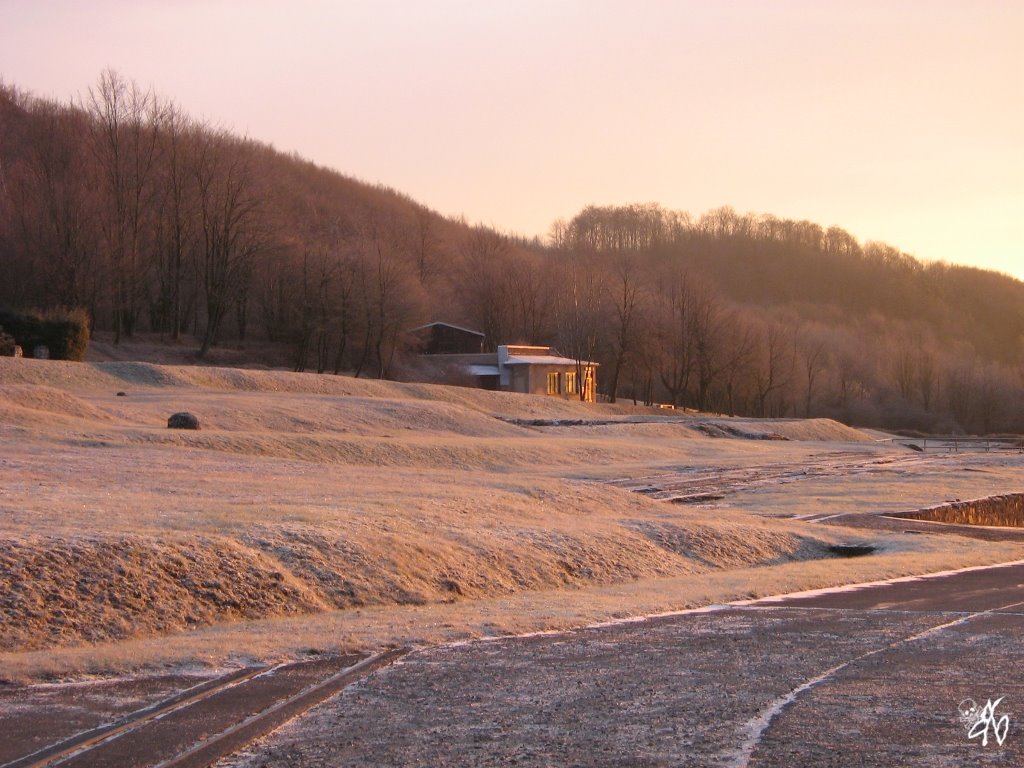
150,221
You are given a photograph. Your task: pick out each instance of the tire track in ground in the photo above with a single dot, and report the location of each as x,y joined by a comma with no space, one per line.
197,727
754,730
691,485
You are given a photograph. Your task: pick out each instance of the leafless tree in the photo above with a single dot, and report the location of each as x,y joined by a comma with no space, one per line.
739,354
676,305
486,272
232,234
51,212
814,362
532,293
710,326
427,244
578,313
926,377
176,215
392,301
903,370
625,298
773,368
123,138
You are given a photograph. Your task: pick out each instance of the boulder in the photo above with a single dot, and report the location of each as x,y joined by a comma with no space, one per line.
183,420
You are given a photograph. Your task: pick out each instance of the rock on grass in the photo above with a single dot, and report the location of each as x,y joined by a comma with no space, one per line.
183,420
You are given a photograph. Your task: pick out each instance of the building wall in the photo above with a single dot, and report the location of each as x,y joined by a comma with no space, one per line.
520,379
533,380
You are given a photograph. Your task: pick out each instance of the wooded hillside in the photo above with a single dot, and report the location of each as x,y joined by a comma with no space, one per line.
154,222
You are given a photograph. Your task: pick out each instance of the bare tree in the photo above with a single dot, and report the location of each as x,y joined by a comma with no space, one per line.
427,244
123,138
814,359
312,330
773,368
961,388
578,314
176,216
674,323
926,377
738,361
486,272
624,295
343,304
391,300
710,326
531,289
231,230
903,370
51,213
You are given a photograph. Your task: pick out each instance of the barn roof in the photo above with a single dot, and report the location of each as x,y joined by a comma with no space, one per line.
447,325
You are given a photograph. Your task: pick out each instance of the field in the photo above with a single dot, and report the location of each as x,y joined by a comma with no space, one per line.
328,513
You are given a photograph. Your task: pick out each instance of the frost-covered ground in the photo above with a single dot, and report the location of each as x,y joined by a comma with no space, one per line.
326,512
873,677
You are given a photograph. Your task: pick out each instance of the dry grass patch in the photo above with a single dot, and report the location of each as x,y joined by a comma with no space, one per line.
64,590
308,501
529,611
55,591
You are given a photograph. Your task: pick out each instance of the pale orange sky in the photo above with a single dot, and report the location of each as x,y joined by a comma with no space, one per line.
898,121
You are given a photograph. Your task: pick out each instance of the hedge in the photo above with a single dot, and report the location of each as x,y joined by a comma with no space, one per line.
7,344
65,332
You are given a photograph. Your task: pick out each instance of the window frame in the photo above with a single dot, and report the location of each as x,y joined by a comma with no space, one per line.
554,383
571,381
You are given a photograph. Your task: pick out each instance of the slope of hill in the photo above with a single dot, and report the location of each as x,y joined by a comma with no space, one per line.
158,224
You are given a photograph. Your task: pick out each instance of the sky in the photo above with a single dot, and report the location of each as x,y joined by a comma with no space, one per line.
900,121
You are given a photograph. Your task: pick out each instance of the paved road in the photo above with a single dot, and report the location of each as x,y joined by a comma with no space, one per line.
874,677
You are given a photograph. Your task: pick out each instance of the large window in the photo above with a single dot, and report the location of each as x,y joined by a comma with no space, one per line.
570,382
553,383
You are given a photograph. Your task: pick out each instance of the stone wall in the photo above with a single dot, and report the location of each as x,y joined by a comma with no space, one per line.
1006,510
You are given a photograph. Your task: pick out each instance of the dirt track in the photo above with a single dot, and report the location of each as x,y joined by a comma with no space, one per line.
190,728
696,484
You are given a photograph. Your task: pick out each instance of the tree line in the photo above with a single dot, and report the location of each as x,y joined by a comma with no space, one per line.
755,315
153,222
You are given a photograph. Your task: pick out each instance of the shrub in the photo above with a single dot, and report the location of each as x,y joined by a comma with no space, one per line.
65,332
7,344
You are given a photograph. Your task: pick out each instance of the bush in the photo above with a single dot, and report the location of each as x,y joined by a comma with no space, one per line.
65,332
7,344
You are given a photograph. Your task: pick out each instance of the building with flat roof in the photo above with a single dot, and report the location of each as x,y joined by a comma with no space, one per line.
532,370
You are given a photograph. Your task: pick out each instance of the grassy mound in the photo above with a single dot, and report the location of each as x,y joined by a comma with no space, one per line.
57,591
305,493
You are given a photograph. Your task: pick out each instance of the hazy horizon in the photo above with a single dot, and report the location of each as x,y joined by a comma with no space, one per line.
892,123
